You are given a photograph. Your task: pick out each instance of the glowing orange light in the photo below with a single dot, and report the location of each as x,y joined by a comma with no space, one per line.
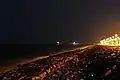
113,37
116,35
112,41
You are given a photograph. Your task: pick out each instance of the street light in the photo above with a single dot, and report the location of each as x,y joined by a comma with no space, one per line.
116,35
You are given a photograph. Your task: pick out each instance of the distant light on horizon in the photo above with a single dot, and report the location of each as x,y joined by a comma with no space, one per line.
111,41
74,43
58,43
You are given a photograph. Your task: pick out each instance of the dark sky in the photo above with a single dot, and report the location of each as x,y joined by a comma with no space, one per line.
48,21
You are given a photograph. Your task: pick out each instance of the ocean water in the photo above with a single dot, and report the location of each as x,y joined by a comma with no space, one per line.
13,54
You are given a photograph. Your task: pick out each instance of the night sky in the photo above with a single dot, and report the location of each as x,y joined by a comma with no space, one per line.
48,21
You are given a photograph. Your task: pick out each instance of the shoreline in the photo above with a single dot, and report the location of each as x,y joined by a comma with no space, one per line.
15,62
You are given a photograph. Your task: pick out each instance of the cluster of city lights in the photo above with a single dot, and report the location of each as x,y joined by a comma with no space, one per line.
114,40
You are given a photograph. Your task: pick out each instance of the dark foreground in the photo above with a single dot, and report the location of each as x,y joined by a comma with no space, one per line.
13,54
92,63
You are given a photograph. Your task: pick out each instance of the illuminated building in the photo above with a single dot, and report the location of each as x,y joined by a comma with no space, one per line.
112,41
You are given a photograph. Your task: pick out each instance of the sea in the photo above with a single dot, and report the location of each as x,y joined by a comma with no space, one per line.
13,54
